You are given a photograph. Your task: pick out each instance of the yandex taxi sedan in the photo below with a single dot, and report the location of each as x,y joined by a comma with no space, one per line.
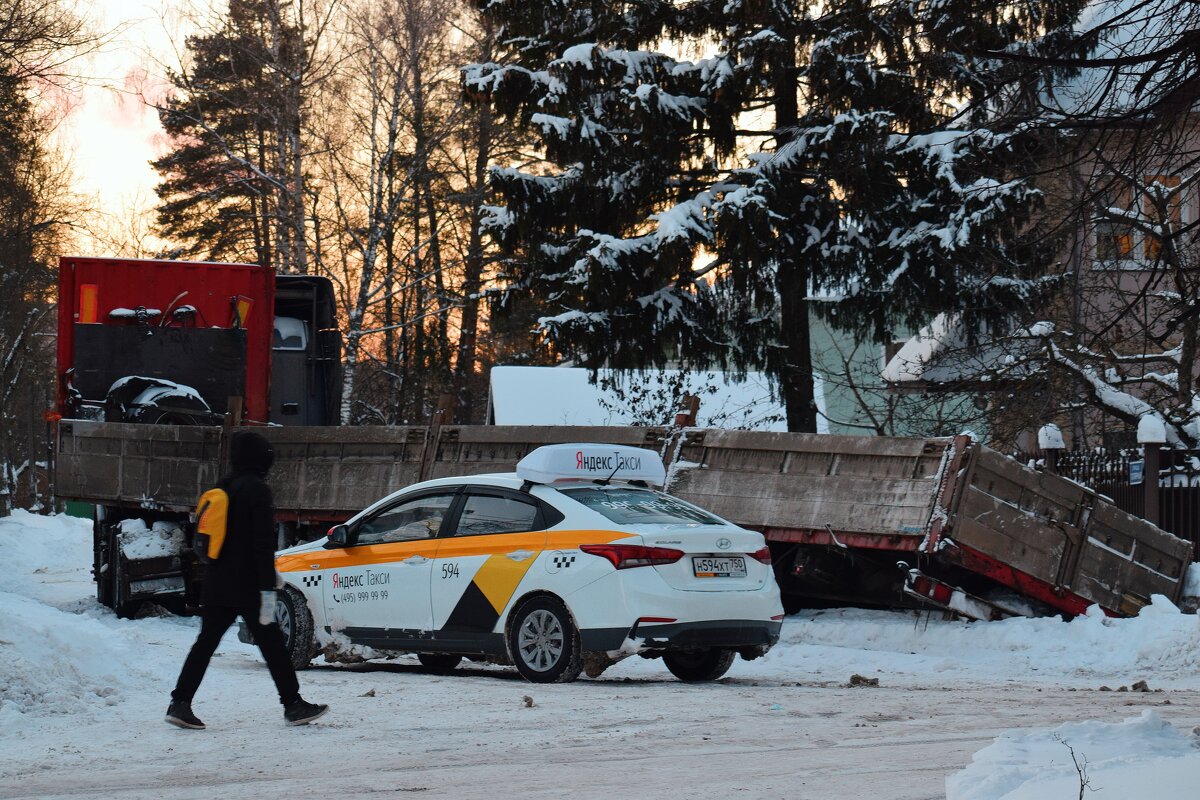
570,563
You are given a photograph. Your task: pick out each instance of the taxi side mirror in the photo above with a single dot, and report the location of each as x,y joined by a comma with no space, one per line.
339,536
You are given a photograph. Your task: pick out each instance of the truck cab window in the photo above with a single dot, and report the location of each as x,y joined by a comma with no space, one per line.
290,334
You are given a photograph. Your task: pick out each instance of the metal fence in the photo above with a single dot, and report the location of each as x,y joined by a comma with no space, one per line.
1179,494
1124,476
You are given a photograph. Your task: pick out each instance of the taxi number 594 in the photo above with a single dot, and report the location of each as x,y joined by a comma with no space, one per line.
449,570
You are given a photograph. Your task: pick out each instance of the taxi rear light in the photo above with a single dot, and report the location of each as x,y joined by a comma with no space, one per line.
626,556
763,554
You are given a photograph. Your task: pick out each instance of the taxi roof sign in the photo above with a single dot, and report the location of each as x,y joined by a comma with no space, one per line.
591,462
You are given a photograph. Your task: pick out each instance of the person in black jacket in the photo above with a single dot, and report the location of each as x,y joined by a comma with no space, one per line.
242,582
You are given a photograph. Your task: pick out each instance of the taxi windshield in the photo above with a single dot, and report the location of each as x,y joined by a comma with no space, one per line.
629,506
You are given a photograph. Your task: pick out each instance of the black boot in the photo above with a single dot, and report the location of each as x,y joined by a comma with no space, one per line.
302,713
180,715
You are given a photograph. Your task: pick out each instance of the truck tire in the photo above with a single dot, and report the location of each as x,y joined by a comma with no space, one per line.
101,561
296,625
698,666
118,575
543,641
121,604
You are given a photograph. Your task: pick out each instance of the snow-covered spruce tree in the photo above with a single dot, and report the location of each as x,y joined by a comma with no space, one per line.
623,130
656,232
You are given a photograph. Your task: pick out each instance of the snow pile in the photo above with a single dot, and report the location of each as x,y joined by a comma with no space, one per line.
568,396
1140,757
1191,586
138,541
54,662
1161,644
1050,437
60,651
133,313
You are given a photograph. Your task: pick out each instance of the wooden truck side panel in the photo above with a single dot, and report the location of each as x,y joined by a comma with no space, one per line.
1125,560
320,473
1013,524
812,488
482,449
151,466
329,474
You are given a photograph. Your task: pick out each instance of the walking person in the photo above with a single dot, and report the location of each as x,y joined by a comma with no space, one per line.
242,582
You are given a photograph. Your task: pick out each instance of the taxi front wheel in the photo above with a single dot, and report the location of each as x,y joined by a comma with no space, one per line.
296,624
696,666
544,643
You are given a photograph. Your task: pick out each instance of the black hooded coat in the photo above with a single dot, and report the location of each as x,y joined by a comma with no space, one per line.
246,565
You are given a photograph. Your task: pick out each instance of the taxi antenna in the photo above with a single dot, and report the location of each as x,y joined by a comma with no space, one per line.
608,480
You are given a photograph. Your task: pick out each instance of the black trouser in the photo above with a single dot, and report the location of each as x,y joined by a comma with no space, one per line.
216,620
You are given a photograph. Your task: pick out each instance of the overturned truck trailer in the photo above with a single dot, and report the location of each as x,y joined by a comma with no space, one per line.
947,522
935,522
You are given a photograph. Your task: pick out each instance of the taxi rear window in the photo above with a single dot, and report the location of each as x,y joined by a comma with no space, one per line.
626,506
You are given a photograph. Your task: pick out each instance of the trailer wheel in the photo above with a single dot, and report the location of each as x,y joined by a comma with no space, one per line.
698,666
296,625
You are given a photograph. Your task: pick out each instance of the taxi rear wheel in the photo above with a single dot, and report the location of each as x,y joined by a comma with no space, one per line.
697,666
544,643
438,662
296,624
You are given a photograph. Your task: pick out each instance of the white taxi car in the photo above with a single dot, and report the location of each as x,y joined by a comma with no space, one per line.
569,564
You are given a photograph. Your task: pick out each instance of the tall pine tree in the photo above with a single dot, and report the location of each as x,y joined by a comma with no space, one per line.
233,184
885,177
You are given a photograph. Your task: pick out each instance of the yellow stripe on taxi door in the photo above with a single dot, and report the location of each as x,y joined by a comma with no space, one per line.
499,577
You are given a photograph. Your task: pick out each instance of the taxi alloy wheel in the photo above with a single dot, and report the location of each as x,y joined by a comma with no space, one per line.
296,624
544,643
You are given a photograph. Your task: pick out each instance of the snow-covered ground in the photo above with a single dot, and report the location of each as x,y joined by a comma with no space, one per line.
964,711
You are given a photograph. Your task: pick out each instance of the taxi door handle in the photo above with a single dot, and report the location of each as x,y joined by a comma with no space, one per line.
415,560
520,555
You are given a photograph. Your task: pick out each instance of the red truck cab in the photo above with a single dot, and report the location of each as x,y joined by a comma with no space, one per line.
157,341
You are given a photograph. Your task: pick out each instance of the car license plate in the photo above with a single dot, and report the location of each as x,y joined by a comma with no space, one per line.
719,566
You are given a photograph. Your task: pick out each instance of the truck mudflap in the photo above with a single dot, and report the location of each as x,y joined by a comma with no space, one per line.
152,577
147,579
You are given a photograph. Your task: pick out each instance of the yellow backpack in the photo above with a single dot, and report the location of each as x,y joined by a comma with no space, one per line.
211,513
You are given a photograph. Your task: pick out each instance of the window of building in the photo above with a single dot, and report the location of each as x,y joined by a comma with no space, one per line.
1116,241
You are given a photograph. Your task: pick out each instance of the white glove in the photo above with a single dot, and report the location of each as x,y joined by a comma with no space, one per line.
266,607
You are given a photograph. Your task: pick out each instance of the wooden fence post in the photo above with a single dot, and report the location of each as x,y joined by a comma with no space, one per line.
686,417
1151,467
1050,442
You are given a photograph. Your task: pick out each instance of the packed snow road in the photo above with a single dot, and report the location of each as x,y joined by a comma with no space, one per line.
82,697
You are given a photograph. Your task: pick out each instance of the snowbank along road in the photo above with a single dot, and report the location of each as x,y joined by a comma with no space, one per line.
975,711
